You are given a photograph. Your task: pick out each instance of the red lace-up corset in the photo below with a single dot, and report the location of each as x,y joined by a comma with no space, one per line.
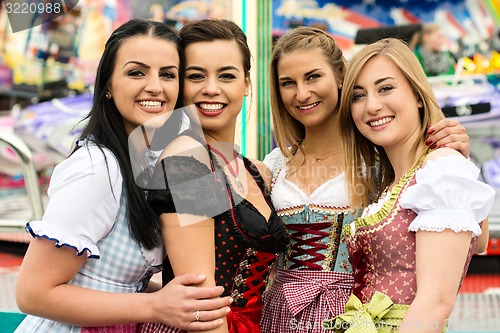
252,276
307,244
315,233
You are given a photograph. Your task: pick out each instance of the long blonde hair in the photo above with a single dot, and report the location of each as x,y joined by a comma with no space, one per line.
368,169
288,131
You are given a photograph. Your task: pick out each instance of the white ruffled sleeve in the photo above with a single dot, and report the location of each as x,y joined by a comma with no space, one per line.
448,195
271,158
84,198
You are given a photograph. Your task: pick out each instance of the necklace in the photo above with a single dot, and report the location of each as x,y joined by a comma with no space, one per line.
319,159
234,171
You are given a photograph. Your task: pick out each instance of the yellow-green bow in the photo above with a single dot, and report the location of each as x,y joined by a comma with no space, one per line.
380,315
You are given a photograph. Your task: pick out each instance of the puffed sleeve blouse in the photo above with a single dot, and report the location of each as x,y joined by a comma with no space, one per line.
84,197
448,195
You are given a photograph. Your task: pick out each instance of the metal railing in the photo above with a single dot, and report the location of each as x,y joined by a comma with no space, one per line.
30,178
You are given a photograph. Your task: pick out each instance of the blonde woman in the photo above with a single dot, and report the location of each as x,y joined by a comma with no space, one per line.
309,191
412,246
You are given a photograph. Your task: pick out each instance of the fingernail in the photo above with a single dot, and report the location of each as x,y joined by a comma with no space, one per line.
220,322
228,310
430,131
202,276
428,142
231,300
434,146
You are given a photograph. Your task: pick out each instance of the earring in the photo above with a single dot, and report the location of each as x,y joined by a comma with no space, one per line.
340,86
108,95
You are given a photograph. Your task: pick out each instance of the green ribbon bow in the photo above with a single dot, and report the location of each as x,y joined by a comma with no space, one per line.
380,315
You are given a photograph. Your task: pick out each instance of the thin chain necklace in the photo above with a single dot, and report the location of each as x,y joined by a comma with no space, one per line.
234,171
319,159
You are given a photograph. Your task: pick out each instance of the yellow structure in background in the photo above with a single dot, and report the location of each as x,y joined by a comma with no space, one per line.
480,64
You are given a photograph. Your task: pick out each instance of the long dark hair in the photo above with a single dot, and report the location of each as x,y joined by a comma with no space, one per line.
106,129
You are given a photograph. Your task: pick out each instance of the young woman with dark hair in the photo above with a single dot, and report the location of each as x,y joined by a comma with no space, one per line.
99,242
217,216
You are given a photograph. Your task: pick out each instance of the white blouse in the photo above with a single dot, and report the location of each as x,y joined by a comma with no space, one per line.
84,198
447,195
285,194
